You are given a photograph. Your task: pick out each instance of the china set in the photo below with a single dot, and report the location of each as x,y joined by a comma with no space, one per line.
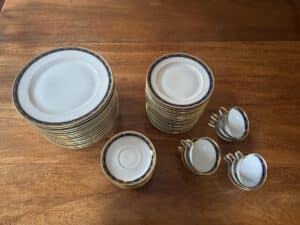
69,96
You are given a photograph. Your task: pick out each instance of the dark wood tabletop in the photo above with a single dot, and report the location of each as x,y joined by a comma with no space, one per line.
253,49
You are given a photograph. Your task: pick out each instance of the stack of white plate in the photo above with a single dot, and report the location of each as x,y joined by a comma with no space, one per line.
68,94
178,87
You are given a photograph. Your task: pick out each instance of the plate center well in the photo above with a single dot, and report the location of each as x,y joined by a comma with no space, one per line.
62,87
129,157
180,81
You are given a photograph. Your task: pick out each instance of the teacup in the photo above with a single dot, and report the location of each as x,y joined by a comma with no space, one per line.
200,155
230,124
248,172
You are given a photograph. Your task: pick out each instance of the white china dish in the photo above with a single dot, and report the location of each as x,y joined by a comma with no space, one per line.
128,159
63,85
68,95
180,79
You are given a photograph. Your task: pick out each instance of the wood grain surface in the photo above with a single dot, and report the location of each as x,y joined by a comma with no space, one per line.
80,21
244,42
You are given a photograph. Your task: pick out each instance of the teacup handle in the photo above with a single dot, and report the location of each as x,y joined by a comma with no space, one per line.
222,110
185,144
238,155
229,158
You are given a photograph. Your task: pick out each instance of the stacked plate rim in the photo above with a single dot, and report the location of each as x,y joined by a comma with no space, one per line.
68,95
178,87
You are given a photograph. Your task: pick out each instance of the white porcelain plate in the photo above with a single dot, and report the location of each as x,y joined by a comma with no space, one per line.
181,79
203,155
63,85
128,157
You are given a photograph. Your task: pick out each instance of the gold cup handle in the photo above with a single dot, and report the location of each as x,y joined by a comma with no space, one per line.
213,119
238,155
222,110
216,116
185,144
229,158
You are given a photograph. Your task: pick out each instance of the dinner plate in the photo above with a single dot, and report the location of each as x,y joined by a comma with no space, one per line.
74,143
68,95
62,85
91,118
84,139
91,124
96,130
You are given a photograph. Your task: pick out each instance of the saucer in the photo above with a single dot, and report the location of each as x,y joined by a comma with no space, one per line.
128,159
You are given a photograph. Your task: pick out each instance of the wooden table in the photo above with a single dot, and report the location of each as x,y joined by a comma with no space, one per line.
253,49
